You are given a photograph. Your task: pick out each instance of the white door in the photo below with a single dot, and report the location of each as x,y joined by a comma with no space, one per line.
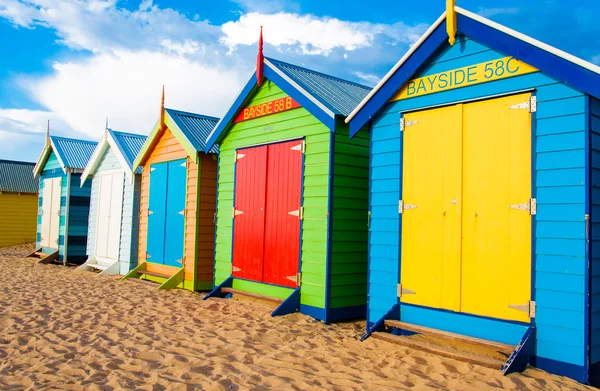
110,205
50,213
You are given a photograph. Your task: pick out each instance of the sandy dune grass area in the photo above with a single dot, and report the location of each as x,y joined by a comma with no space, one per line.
62,329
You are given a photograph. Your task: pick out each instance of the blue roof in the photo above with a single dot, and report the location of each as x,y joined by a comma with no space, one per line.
130,144
73,153
196,127
17,177
340,96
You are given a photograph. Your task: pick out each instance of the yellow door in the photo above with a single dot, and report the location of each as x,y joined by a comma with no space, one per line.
496,246
430,268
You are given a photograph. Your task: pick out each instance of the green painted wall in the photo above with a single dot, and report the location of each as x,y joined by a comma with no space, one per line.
292,124
349,240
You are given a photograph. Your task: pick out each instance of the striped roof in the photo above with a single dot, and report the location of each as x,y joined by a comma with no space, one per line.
73,153
196,127
129,144
341,96
17,177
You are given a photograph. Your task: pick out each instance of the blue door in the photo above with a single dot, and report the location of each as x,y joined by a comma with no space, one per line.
175,216
166,220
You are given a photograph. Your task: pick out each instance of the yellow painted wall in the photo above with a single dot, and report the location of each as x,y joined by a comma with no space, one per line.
18,218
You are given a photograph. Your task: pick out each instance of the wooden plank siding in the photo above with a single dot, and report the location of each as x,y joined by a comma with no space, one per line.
292,124
595,231
559,243
168,148
18,223
206,221
77,224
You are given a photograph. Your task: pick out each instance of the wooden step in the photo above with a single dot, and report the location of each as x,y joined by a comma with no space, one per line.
440,350
252,295
96,266
497,346
40,254
153,274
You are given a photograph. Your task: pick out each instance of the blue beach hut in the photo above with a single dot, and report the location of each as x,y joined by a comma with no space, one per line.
63,205
484,176
113,227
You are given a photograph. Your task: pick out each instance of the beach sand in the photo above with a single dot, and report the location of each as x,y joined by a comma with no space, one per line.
62,329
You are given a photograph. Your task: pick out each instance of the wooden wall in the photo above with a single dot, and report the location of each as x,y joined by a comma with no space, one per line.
18,223
206,224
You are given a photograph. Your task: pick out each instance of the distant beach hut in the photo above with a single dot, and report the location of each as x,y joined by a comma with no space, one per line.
18,203
113,230
63,205
292,194
485,187
177,204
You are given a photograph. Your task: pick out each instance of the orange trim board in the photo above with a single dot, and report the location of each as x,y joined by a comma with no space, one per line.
267,108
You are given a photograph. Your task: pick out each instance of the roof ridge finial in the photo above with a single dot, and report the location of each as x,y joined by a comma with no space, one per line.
260,59
451,21
162,107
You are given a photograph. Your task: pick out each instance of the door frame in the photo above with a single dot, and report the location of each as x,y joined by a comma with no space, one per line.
185,203
533,134
301,138
100,175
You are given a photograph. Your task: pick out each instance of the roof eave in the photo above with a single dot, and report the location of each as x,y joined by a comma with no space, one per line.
99,151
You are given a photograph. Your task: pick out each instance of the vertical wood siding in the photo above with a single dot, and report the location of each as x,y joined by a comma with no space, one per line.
560,222
295,123
595,225
206,226
129,233
349,219
18,222
166,149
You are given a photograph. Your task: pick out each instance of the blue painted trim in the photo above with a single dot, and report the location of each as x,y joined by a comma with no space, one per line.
403,74
328,255
314,312
346,313
289,305
560,368
239,102
369,217
588,194
518,360
216,292
393,313
300,98
557,67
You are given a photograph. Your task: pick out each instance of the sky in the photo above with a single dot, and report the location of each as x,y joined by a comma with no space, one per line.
78,63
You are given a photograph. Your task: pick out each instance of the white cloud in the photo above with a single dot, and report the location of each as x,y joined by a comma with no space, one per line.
313,35
368,78
125,87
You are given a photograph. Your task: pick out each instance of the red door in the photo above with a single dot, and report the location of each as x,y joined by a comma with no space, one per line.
282,222
249,213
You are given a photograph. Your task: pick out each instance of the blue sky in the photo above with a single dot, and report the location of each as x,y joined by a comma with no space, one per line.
77,62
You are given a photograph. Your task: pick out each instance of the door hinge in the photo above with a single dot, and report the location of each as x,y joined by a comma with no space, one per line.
152,169
238,156
298,213
148,256
237,212
150,212
297,278
300,147
530,104
58,212
184,164
402,206
587,226
529,308
182,213
368,218
530,206
235,269
404,123
179,260
402,291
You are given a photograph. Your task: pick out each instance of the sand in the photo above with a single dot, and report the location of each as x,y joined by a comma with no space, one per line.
62,329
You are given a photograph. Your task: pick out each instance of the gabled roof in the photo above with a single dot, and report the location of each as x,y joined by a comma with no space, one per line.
196,127
190,129
17,177
324,96
555,63
72,154
126,146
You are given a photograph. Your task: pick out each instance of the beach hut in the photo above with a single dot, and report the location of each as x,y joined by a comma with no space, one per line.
63,205
292,194
177,203
484,183
113,228
18,203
